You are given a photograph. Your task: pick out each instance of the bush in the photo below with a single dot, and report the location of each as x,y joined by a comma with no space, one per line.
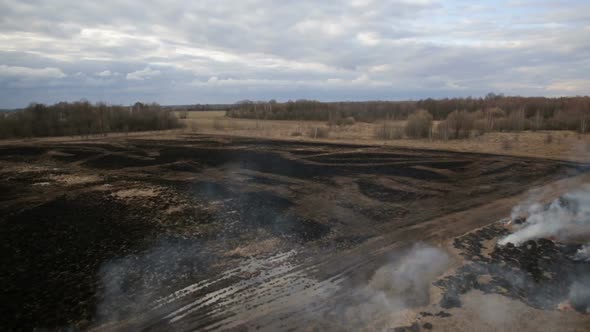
419,125
459,124
389,131
349,121
319,132
340,121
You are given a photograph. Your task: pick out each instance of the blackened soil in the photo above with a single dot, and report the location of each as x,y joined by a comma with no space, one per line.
260,209
538,272
383,193
15,152
51,255
88,256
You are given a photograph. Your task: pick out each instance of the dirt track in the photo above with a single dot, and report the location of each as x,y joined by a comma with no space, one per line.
220,233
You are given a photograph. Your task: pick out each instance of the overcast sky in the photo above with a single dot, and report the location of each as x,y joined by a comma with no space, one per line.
216,51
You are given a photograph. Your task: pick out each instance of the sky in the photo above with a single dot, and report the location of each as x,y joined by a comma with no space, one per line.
218,51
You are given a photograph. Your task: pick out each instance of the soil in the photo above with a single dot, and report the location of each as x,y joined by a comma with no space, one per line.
206,232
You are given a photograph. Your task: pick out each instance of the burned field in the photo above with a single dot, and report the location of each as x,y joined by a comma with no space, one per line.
538,272
206,232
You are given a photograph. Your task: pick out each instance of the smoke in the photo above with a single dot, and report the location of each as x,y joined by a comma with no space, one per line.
583,254
579,295
129,285
565,218
409,278
403,283
492,310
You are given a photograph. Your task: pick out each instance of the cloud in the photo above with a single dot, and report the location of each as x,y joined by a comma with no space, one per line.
401,48
30,73
143,74
106,73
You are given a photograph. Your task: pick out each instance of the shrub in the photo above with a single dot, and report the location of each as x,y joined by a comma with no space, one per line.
349,121
389,131
492,116
318,132
419,125
480,126
459,124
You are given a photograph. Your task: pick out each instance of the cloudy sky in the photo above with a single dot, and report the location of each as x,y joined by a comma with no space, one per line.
218,51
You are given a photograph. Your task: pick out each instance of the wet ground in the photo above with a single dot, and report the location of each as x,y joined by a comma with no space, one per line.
224,233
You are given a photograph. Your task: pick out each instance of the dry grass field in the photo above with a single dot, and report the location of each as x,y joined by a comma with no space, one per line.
561,145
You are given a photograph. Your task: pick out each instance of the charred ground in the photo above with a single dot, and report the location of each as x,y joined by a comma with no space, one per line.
94,232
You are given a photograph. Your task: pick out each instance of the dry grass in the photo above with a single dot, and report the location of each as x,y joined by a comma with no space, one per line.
318,132
506,144
563,145
389,131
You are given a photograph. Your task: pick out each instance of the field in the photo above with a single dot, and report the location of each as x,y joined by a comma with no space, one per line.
194,231
560,145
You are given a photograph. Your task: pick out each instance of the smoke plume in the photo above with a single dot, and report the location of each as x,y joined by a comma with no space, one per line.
579,295
565,218
403,283
583,254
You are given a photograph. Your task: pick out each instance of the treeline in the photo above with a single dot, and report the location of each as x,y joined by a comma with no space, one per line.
83,118
465,124
561,109
200,107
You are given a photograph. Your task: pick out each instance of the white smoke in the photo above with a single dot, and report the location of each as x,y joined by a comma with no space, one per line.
531,204
403,283
579,295
583,254
564,219
409,278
